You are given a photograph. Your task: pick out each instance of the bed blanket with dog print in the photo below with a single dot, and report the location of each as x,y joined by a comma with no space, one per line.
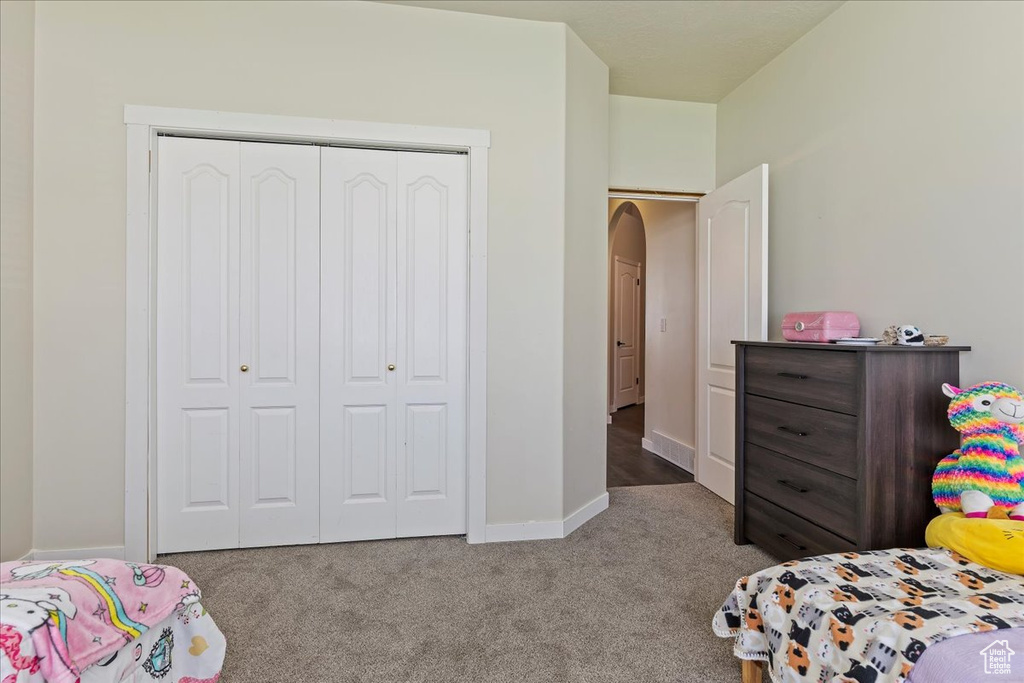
864,616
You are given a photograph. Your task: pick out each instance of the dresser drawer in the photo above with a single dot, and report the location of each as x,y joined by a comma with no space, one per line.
818,437
786,535
828,499
824,379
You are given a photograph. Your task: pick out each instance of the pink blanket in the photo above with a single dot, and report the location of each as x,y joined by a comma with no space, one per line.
76,613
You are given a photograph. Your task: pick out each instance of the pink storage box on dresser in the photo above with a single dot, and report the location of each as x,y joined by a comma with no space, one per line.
820,326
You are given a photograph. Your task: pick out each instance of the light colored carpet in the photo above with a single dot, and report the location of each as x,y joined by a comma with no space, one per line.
628,597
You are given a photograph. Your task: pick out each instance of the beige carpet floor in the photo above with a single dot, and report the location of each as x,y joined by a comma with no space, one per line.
628,597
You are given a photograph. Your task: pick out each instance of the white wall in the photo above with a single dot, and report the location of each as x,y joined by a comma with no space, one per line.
895,135
586,172
671,294
17,21
661,144
352,60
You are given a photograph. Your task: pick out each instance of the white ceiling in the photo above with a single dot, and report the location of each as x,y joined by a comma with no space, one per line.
695,50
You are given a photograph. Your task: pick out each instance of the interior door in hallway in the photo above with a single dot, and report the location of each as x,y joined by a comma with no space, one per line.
732,303
627,332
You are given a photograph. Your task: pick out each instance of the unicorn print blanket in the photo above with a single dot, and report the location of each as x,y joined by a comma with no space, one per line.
59,618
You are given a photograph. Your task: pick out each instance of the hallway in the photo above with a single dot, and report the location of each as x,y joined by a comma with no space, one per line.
628,463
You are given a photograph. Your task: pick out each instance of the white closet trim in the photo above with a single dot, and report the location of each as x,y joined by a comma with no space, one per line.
234,124
143,125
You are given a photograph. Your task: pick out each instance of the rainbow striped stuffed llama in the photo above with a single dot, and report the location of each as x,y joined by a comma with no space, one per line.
987,470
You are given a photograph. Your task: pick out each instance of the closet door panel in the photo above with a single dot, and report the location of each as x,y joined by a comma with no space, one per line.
197,344
365,273
358,400
425,231
279,318
206,448
432,270
274,459
365,453
426,451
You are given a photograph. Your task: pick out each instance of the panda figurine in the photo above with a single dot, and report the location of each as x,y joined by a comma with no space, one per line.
910,335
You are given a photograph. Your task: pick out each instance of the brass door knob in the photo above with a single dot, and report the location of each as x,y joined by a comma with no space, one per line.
391,367
244,368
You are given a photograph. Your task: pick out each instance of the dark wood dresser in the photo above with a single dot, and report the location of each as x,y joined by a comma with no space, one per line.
836,445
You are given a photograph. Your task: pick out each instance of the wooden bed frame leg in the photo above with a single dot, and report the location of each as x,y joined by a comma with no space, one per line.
751,670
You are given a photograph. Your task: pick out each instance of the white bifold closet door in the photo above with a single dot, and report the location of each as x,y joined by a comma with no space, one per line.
393,342
238,289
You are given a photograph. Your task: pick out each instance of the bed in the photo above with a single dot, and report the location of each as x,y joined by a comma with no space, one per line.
104,621
869,616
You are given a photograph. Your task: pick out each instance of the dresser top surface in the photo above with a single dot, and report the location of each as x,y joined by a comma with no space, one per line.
876,348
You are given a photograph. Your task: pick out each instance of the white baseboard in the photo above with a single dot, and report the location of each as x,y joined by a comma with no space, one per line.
585,514
676,452
494,533
522,531
609,418
112,552
536,531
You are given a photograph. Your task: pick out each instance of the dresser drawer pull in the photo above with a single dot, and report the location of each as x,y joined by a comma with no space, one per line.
790,430
790,485
792,543
792,375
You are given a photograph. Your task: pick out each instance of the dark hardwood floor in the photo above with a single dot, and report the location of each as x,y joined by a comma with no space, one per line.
628,463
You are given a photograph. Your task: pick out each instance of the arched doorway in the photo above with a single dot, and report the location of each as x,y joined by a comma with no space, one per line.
651,266
627,259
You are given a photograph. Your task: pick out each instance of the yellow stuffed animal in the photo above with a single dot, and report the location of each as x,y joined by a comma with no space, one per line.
992,542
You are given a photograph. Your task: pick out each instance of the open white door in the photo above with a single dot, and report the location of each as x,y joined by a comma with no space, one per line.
732,303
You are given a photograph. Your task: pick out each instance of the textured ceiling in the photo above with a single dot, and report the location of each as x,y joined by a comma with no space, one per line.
696,50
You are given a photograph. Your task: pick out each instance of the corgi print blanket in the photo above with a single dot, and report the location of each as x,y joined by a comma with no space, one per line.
104,620
864,616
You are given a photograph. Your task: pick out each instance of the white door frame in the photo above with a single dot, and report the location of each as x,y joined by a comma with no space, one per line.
143,125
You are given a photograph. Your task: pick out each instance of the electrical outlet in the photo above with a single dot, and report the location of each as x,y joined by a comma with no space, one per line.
664,325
